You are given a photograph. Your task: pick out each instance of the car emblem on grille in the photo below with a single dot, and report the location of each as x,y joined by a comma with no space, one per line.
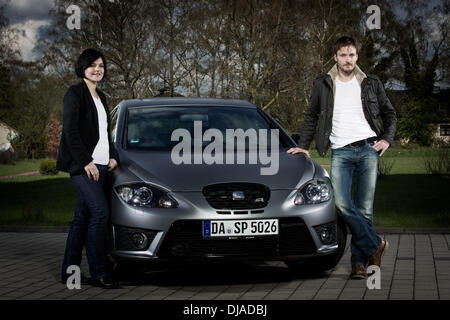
238,195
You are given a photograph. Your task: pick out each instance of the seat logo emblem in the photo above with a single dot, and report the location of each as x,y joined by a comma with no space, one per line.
238,195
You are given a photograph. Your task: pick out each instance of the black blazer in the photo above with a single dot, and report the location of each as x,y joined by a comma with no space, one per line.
80,130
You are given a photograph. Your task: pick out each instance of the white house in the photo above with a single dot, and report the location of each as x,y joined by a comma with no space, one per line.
6,135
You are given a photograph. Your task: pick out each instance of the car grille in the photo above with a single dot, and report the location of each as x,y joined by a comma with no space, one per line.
220,196
184,239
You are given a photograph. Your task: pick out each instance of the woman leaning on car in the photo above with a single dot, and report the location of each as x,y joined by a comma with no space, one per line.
86,151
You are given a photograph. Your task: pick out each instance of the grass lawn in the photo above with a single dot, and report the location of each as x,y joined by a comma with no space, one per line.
37,200
413,201
407,197
405,161
20,167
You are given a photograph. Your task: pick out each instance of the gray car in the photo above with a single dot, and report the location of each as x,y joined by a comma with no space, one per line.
188,190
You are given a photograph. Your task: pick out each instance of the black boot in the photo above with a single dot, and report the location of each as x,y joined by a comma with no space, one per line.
106,282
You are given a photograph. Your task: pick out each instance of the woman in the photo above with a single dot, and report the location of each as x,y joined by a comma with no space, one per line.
86,151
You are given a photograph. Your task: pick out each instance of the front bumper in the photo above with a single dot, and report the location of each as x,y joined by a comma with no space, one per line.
176,234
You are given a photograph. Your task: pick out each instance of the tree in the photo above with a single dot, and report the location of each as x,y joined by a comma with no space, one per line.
53,135
123,30
8,40
32,101
171,33
268,52
415,125
255,29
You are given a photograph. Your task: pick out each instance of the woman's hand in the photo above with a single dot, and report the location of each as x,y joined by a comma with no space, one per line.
112,164
92,171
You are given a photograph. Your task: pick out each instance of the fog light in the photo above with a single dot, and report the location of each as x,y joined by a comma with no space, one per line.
324,235
139,240
327,233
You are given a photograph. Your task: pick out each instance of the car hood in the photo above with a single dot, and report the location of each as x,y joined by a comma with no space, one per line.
157,167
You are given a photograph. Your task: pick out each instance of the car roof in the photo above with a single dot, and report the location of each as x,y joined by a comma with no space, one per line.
157,102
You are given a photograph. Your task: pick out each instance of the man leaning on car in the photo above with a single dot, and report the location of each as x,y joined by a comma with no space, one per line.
346,104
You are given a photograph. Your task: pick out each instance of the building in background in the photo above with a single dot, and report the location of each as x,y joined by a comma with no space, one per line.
7,134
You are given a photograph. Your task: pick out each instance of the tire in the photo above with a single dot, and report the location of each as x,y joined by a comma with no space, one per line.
319,265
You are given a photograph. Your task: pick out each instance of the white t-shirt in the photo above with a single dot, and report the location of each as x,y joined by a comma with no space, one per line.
101,151
349,122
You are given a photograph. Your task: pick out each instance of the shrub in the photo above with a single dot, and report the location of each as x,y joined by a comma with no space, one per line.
48,167
441,143
8,157
414,126
385,166
28,146
439,164
404,143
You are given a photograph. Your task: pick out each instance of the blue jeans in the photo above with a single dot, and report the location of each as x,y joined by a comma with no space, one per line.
89,225
357,166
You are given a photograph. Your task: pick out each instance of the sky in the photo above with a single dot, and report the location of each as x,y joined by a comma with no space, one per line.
27,16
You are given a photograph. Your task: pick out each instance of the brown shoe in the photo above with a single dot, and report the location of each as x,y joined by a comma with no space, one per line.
375,259
358,272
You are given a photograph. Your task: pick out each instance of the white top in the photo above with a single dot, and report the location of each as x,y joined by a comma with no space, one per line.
349,122
101,151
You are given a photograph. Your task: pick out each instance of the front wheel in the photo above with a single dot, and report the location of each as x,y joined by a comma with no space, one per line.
321,264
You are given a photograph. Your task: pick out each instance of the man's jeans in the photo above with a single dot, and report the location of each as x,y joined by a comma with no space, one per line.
89,225
359,165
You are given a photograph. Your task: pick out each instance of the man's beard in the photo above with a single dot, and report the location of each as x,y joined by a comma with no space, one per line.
346,72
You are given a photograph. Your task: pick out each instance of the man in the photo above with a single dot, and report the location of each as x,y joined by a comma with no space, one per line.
346,104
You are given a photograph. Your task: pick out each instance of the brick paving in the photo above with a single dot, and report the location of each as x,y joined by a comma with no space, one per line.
416,267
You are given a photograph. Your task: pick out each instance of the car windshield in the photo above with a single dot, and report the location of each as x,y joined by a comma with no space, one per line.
151,128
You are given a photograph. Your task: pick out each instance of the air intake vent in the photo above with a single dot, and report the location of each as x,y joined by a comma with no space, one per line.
184,240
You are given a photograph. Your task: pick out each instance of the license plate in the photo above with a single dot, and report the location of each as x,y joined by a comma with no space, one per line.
240,228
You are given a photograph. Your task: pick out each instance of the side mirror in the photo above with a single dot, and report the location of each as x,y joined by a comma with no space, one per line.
296,137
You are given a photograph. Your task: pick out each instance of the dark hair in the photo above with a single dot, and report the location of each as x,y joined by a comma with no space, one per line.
345,42
86,58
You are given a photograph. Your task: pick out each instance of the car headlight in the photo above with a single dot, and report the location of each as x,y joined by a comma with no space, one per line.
145,196
313,192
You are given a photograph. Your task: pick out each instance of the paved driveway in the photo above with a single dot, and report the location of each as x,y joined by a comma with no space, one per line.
417,266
